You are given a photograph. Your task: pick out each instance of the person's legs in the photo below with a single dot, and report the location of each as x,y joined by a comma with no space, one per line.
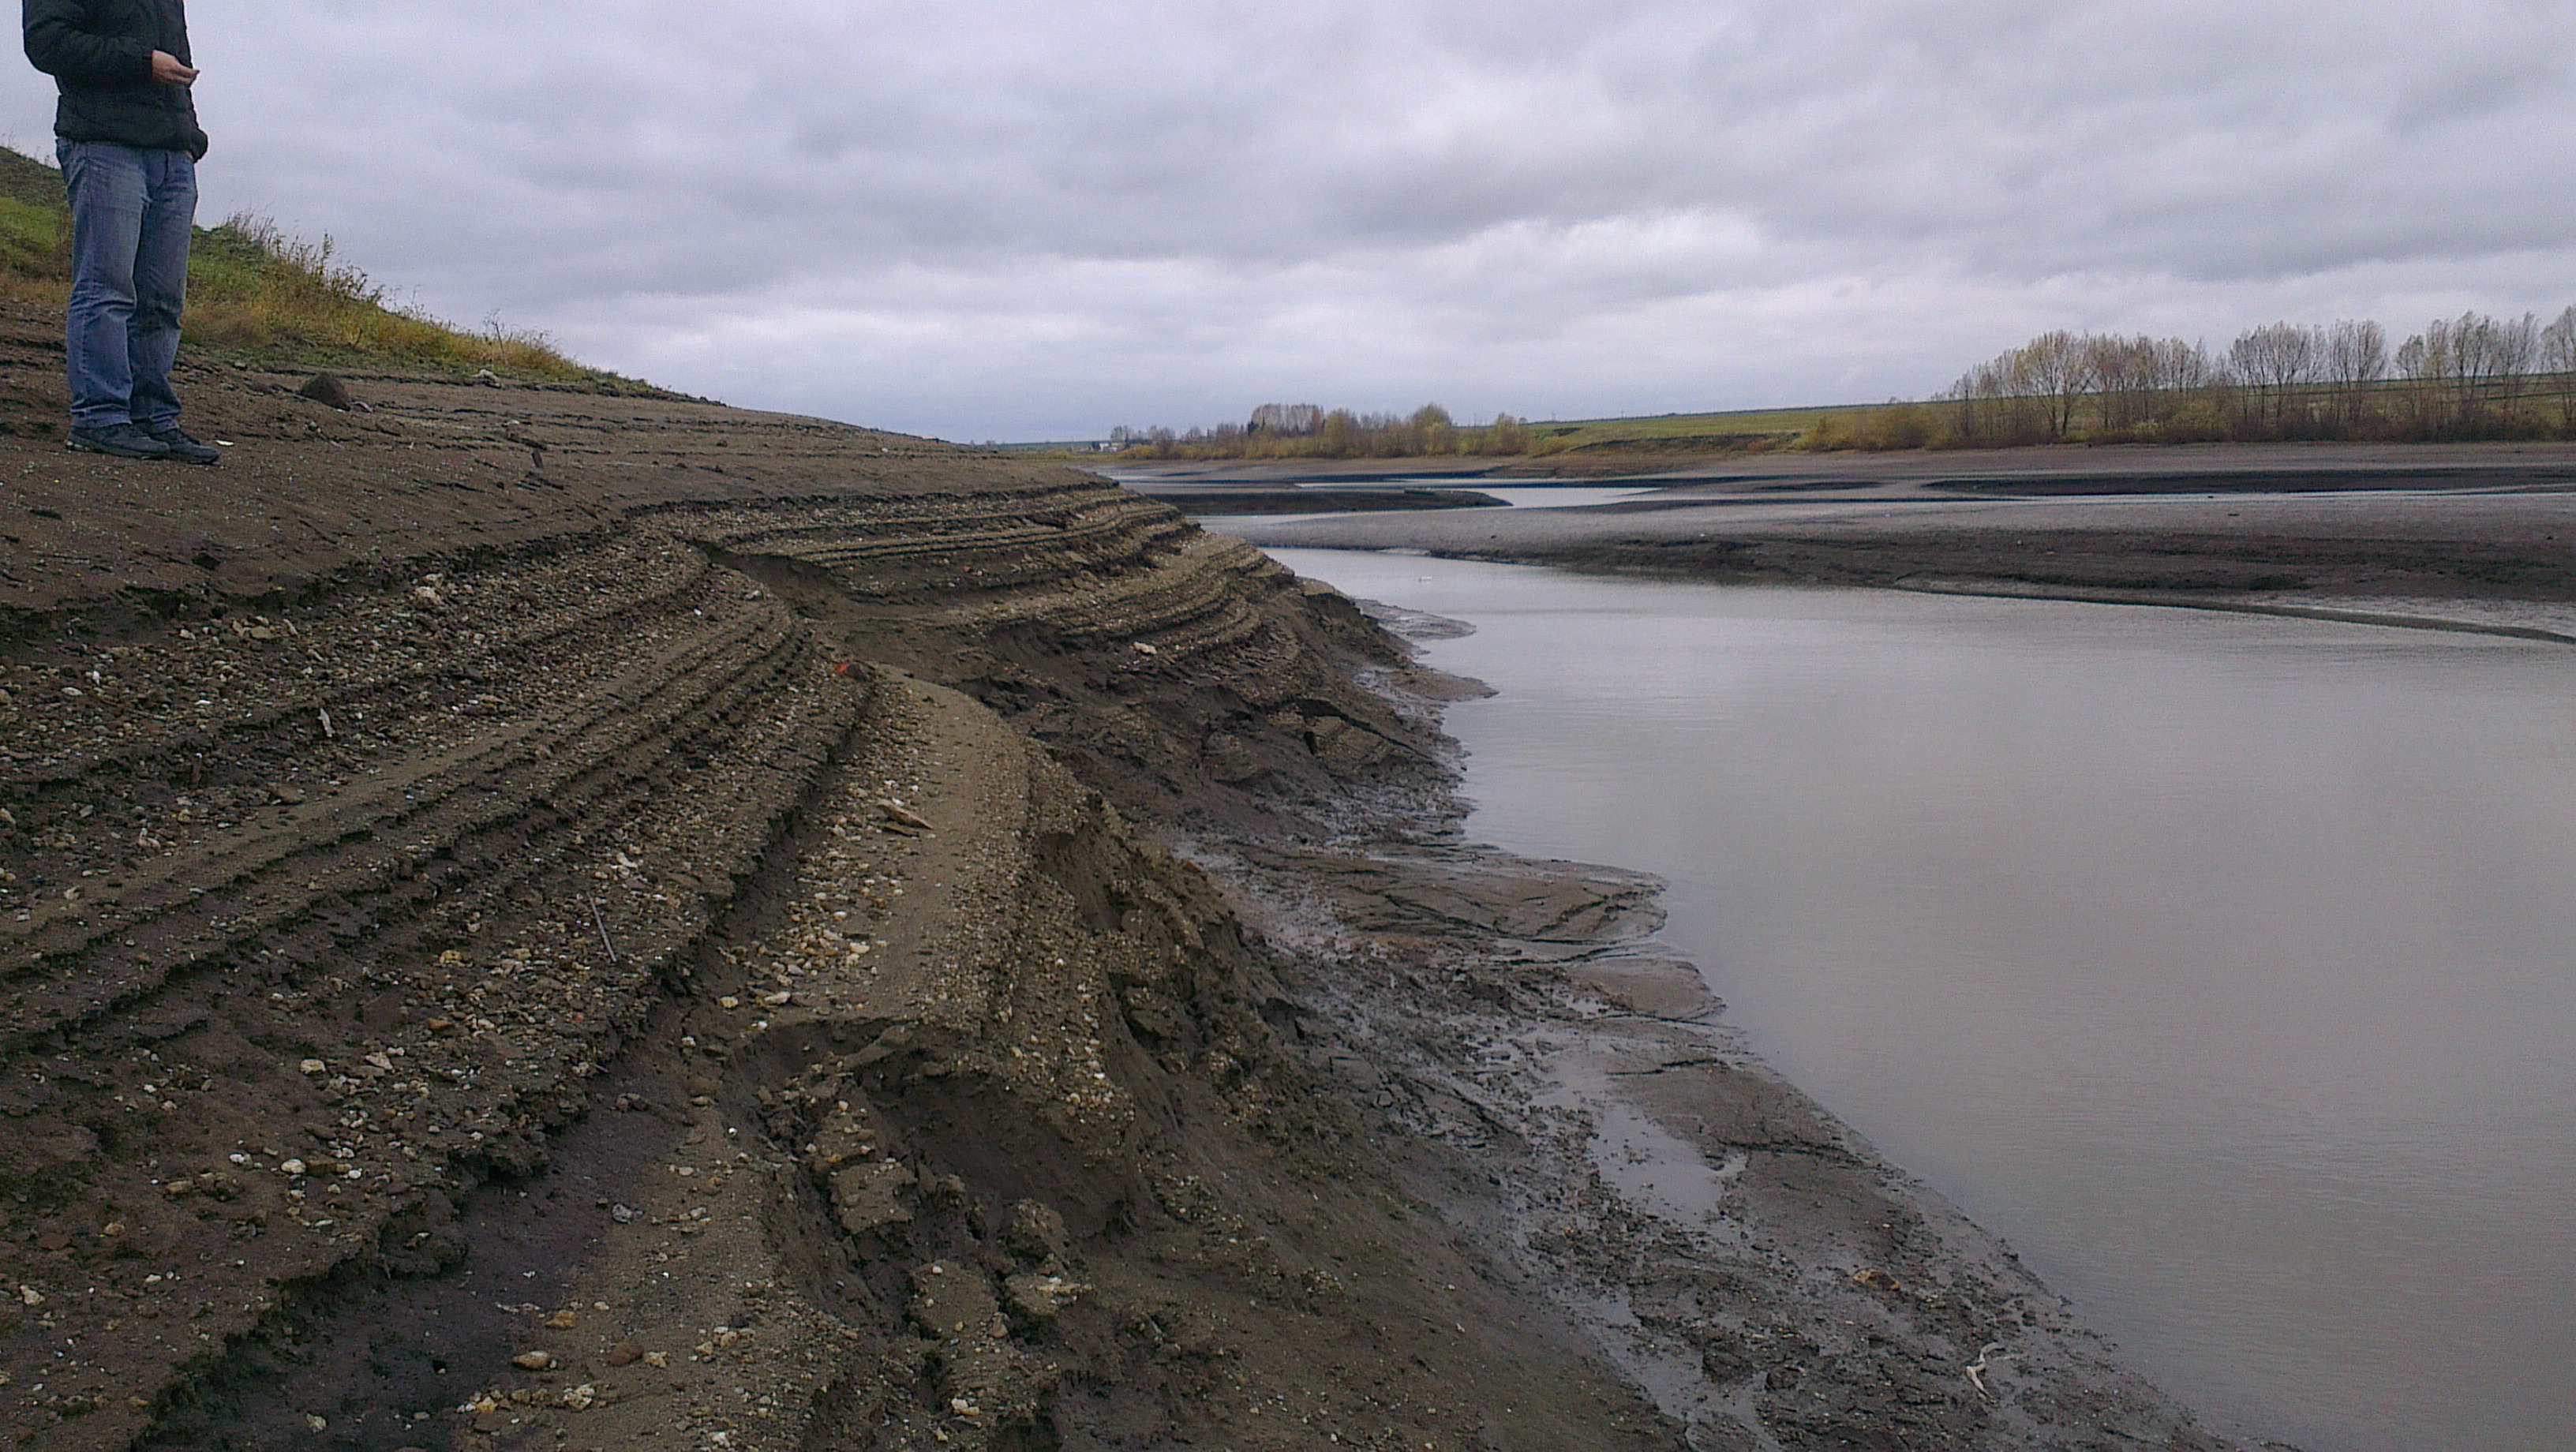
160,286
105,185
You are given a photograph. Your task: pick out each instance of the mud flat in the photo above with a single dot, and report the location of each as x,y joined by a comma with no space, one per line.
2467,537
531,919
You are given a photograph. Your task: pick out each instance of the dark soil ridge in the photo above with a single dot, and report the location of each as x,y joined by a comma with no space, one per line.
533,919
412,954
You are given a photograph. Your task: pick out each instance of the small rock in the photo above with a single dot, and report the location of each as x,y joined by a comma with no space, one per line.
657,1358
328,390
581,1398
30,1296
869,1196
1040,1298
1035,1231
314,1066
625,1353
317,1423
291,1167
949,1306
533,1361
562,1321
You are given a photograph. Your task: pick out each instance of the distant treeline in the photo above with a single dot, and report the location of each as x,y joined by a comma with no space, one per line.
2470,377
1307,431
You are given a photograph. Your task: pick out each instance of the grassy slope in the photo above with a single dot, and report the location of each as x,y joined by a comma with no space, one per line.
254,292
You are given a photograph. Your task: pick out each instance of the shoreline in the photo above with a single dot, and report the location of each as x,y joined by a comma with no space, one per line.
537,917
2017,471
2405,544
1617,1148
2496,563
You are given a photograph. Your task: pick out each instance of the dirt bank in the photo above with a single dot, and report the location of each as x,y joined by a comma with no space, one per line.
531,919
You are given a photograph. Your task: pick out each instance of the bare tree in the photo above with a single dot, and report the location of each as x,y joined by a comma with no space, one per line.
2274,360
2054,371
2182,369
2123,371
2494,362
2356,358
1287,420
2558,362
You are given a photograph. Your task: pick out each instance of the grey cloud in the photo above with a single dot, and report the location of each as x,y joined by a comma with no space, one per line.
1066,215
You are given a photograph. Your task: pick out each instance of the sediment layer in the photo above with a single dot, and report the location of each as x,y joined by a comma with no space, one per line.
537,918
530,919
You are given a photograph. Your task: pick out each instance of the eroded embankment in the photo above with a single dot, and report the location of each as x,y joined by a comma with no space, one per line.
534,920
504,946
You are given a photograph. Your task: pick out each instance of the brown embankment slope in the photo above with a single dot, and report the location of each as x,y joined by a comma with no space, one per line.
457,908
533,920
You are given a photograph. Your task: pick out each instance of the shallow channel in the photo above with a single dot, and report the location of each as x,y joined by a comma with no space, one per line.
2224,965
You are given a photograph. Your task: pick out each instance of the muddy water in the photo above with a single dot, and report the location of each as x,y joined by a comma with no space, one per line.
2225,965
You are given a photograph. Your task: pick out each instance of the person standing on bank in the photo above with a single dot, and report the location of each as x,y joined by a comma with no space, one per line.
126,131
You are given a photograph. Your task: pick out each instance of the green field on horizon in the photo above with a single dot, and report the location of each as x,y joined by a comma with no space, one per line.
1717,430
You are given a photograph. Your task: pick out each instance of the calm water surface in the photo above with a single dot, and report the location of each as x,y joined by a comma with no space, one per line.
2226,966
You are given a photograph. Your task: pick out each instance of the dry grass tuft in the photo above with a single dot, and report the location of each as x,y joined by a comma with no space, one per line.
255,290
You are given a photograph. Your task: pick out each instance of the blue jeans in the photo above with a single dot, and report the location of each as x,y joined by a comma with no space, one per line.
131,214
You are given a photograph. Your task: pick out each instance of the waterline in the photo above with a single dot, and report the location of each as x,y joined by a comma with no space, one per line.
2225,965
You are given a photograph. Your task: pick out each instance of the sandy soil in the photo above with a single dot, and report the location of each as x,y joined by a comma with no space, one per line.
531,919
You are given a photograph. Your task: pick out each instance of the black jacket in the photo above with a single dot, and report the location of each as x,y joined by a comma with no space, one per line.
99,53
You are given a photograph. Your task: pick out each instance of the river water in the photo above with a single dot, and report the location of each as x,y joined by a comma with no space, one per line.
2225,965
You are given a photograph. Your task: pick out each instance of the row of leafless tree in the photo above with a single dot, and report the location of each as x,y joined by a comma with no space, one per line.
2472,376
1306,431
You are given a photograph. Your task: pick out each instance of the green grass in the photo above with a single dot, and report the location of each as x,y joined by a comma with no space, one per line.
1744,430
255,292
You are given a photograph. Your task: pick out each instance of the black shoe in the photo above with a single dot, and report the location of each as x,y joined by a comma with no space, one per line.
124,441
181,449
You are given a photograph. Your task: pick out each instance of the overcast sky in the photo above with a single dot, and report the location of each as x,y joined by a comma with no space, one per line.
1014,219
